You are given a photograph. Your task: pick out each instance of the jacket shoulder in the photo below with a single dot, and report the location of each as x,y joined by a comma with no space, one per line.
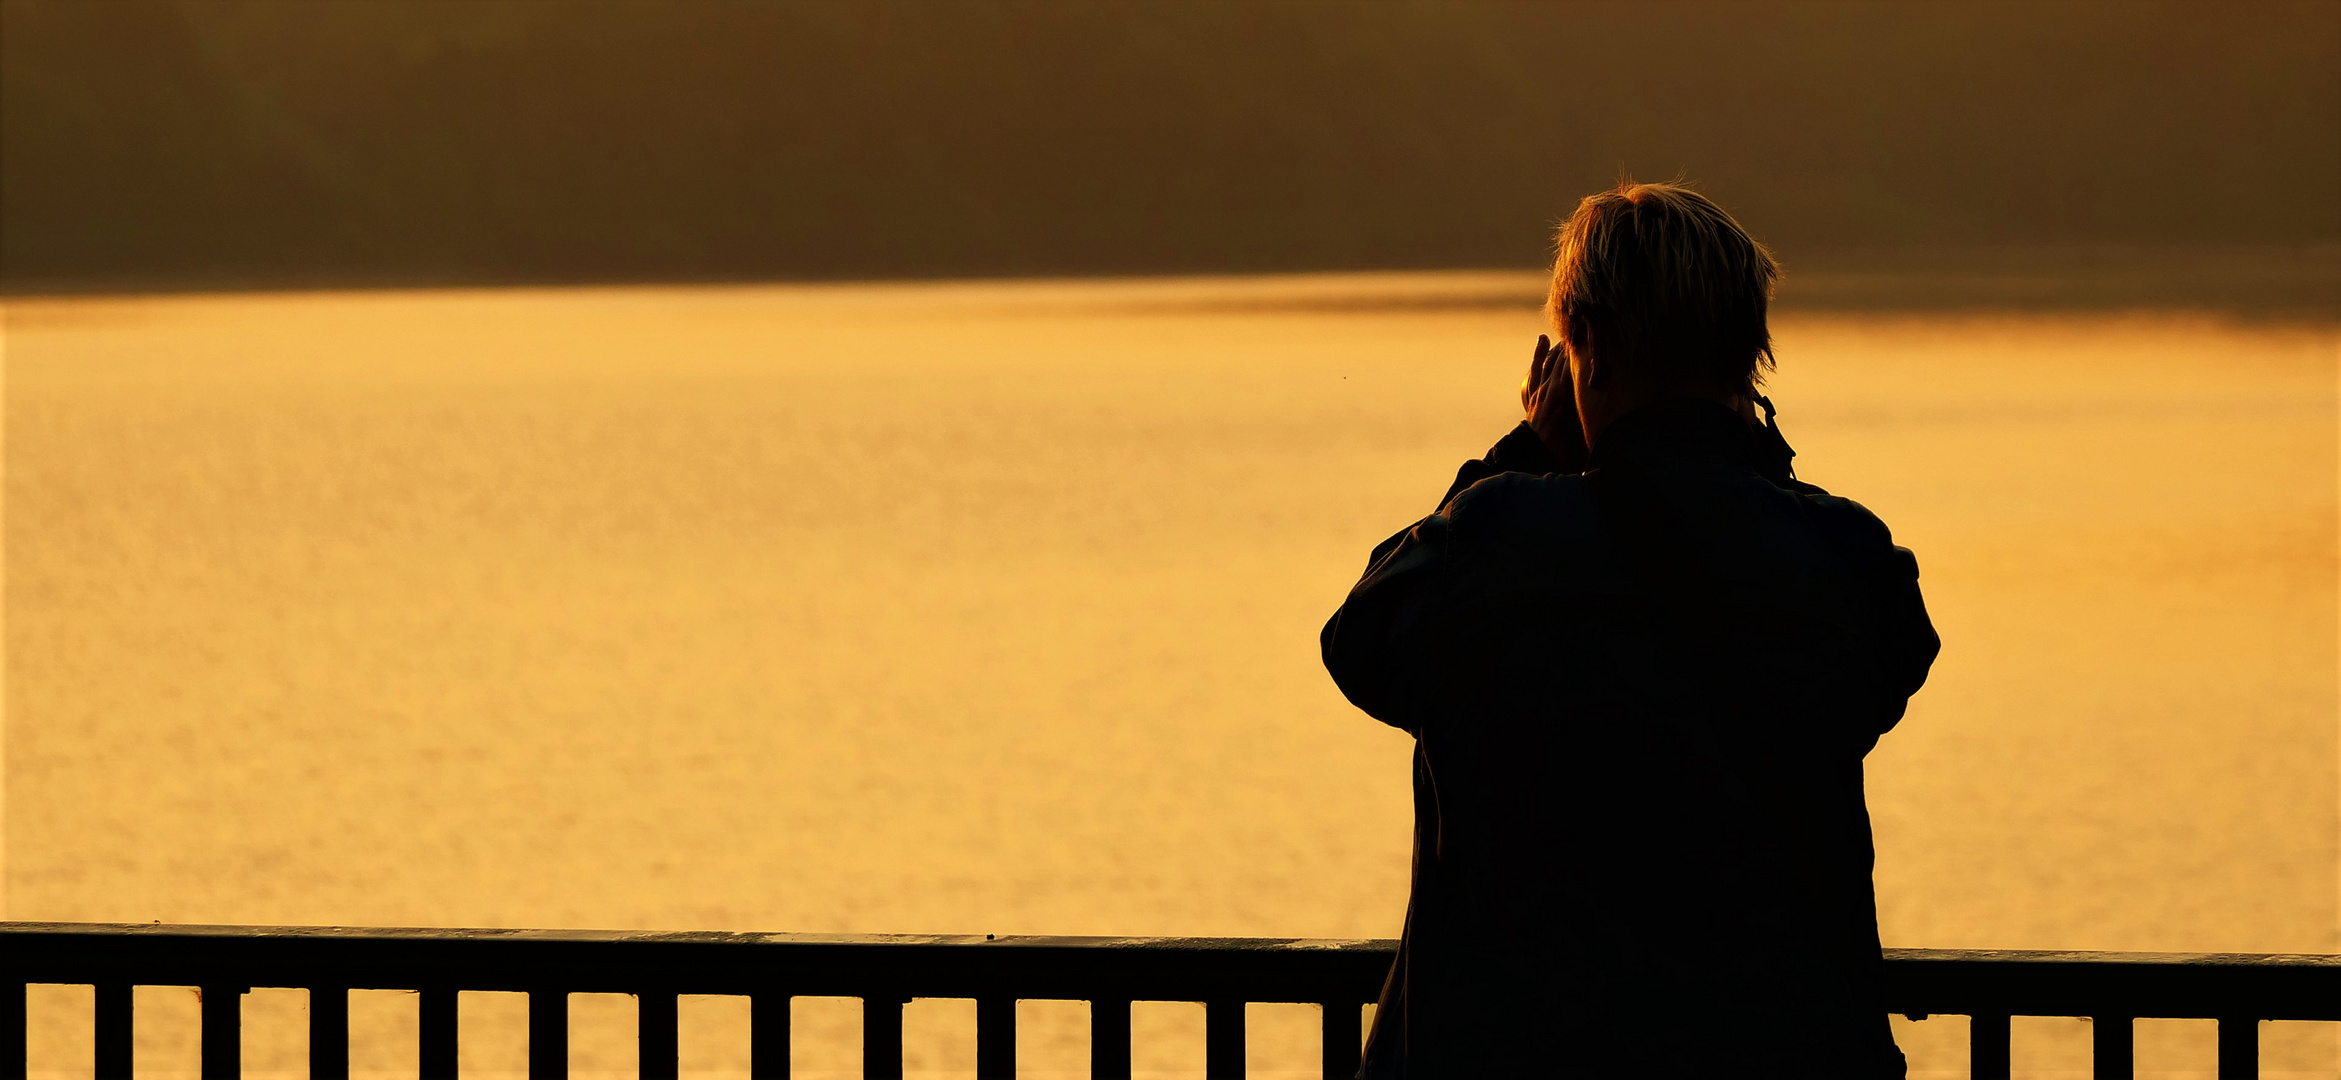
1518,506
1851,527
1535,535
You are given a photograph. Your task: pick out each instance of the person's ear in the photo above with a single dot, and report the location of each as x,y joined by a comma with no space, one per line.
1597,371
1583,330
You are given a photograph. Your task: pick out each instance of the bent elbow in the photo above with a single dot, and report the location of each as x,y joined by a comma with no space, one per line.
1361,670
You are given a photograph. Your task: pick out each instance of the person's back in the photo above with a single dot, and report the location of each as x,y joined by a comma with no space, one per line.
1641,685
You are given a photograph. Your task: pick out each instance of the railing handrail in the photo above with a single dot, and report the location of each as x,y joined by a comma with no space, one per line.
885,970
700,962
2020,982
2267,986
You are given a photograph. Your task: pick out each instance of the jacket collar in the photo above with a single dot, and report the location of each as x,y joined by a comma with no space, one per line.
1675,430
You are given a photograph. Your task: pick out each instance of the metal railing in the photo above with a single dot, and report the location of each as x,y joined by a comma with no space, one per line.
885,971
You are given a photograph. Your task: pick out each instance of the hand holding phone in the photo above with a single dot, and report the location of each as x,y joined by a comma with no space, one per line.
1550,399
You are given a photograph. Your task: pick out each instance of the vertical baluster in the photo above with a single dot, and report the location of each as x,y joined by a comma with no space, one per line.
882,1037
113,1031
329,1033
1109,1039
656,1040
1342,1035
223,1032
995,1038
436,1054
1223,1040
548,1035
1987,1047
2239,1048
768,1037
2112,1048
12,1048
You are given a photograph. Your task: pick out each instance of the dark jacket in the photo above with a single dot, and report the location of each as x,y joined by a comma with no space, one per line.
1640,698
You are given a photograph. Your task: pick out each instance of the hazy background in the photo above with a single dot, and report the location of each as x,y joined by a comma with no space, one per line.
202,144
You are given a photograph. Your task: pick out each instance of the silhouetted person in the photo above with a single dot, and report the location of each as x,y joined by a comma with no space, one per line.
1641,682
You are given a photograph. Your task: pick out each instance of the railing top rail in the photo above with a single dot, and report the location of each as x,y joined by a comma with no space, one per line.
1975,982
35,930
846,965
24,931
2260,986
2075,957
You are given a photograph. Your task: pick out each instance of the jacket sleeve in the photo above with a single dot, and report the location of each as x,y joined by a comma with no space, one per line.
1379,645
1908,642
1520,451
1388,640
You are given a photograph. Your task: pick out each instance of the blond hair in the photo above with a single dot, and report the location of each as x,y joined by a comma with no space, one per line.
1677,289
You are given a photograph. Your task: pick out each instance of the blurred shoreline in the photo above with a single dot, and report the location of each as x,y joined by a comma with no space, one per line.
168,145
2250,283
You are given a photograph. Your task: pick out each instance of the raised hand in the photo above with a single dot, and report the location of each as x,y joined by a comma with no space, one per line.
1550,400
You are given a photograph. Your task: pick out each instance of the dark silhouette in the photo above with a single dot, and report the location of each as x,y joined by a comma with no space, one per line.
1641,684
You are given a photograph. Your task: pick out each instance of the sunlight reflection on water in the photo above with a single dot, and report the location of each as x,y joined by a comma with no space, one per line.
992,608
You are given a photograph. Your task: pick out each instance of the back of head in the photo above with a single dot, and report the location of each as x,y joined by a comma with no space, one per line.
1668,283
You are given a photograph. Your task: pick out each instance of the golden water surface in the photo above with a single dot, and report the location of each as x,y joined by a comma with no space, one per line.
993,609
